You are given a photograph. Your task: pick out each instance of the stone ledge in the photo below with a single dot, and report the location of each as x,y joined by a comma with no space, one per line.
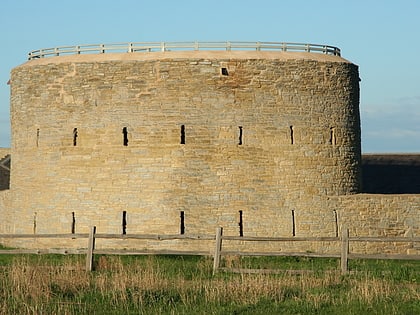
201,54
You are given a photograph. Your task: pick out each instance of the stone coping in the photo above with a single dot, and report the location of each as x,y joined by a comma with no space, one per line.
172,55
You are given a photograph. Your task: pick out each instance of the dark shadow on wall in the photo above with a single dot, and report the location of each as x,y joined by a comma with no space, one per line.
4,179
5,173
391,173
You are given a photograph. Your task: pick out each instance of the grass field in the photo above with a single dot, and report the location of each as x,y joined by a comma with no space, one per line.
52,284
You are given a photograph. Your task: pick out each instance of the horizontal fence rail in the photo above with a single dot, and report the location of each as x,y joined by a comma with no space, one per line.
344,255
217,252
179,46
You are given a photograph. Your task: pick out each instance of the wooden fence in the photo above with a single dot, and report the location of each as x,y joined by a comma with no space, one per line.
344,254
218,250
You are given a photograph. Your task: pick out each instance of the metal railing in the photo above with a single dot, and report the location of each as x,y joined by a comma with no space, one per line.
179,46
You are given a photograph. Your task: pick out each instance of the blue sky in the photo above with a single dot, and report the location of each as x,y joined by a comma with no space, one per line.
382,37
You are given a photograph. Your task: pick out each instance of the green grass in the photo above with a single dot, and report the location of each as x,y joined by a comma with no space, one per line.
55,284
283,263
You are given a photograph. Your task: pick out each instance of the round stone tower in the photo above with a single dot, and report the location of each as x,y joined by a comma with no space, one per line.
180,141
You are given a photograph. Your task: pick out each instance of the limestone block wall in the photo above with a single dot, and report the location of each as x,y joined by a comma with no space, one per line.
381,215
5,207
261,143
165,142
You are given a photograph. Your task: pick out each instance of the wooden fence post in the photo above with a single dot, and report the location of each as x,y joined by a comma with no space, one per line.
344,250
91,247
217,250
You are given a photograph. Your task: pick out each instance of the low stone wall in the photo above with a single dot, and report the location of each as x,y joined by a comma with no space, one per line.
383,216
364,214
5,226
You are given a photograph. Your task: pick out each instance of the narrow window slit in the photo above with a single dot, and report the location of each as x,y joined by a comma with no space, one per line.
293,223
241,224
73,223
336,223
225,71
125,136
292,136
37,137
124,222
34,226
240,135
75,137
182,223
182,134
333,140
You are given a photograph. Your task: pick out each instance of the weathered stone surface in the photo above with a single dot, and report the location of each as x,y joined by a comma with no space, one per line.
279,133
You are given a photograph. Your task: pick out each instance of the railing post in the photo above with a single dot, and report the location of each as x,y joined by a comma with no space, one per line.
218,249
91,247
344,250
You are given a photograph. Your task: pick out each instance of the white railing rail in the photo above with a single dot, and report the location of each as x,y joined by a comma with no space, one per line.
179,46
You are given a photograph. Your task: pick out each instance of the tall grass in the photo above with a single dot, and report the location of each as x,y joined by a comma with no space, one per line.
184,285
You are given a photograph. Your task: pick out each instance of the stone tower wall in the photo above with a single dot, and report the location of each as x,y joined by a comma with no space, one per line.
96,140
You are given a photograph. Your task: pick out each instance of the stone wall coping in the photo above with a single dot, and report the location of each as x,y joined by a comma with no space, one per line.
201,54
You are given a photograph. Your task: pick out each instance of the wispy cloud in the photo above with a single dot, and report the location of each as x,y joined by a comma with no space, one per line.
392,127
393,133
